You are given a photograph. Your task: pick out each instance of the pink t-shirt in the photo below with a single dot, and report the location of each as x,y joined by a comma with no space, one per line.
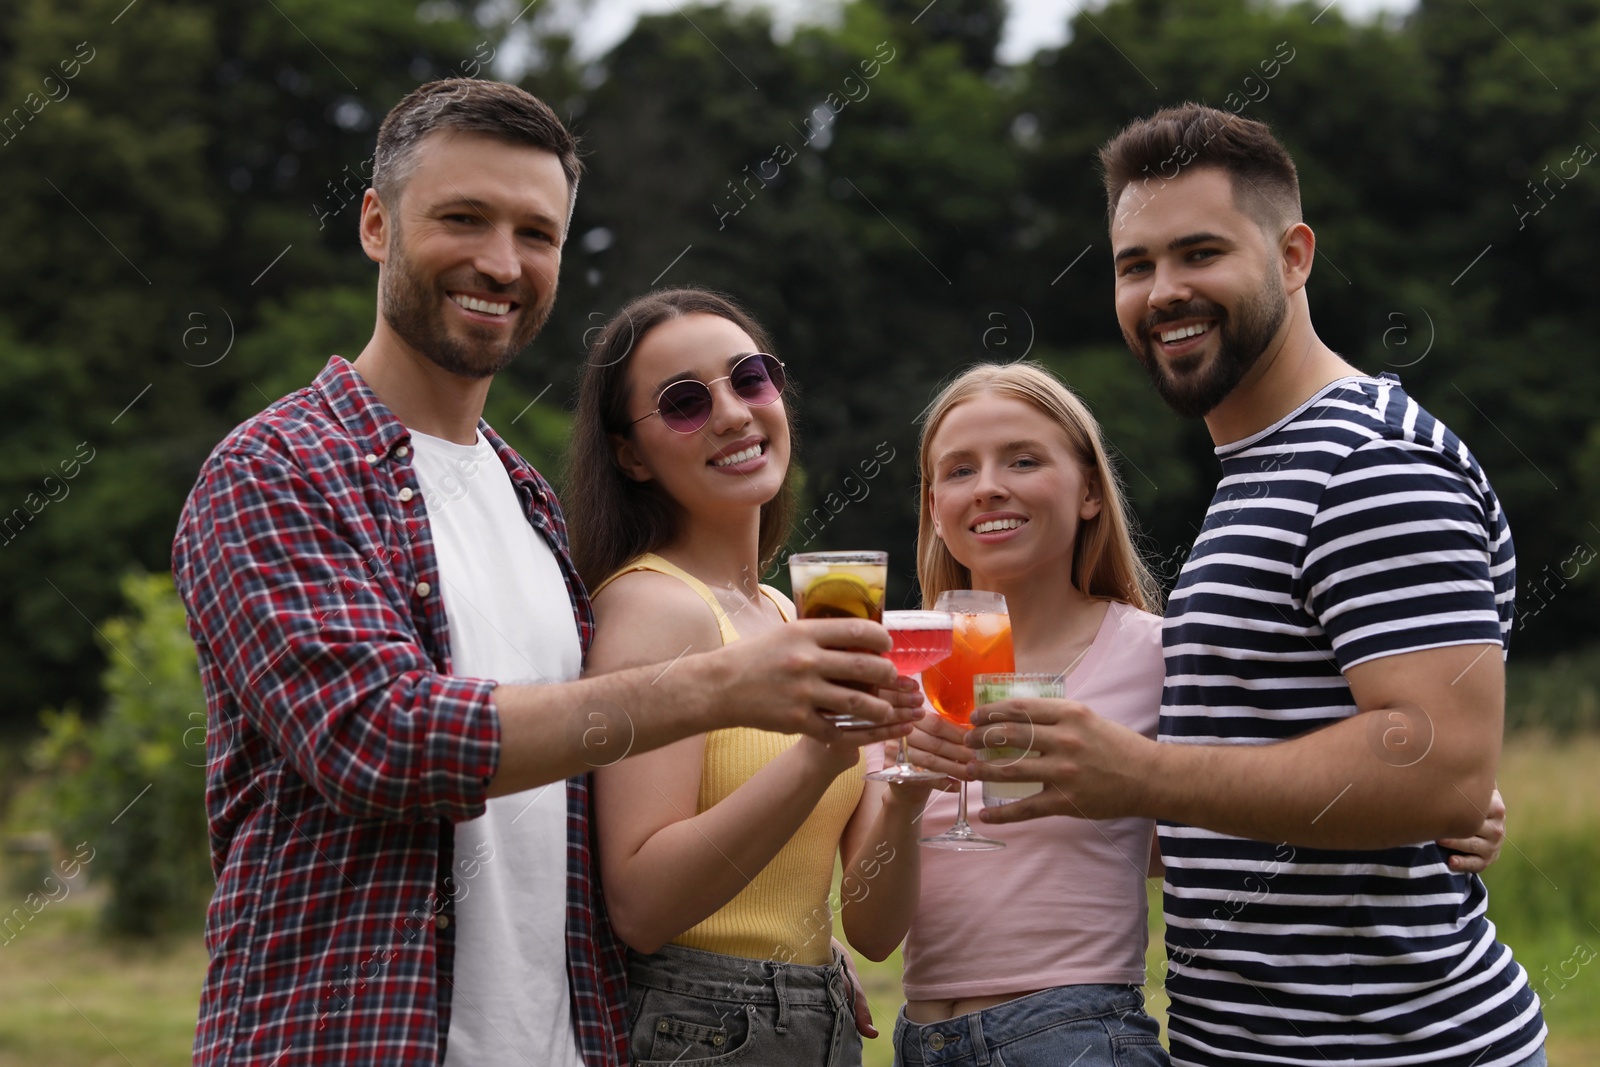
1064,902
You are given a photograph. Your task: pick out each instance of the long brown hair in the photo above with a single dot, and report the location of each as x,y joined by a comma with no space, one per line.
613,518
1105,563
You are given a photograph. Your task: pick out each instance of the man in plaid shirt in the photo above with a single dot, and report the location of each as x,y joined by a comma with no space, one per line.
399,742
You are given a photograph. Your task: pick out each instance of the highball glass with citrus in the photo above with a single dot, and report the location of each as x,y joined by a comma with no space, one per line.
840,585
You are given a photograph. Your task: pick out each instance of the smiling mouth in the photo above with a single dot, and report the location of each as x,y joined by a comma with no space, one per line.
1183,333
482,307
742,456
996,525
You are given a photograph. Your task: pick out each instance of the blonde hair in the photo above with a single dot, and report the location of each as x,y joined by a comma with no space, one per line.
1105,563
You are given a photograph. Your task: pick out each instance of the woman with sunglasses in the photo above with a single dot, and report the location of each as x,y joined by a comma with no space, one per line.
717,852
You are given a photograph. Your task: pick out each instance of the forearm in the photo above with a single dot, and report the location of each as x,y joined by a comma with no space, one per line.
883,880
552,732
407,745
690,868
1339,787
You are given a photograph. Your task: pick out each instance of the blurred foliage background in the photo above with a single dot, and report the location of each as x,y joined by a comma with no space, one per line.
179,235
180,230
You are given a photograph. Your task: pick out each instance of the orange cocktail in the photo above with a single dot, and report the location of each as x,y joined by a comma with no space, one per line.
981,645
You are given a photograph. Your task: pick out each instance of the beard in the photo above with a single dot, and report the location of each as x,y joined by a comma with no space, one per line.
411,306
1191,386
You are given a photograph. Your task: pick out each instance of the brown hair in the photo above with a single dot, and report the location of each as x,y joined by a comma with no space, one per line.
1157,149
468,105
1105,563
614,518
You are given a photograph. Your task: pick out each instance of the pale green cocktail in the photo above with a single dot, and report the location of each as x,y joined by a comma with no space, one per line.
988,688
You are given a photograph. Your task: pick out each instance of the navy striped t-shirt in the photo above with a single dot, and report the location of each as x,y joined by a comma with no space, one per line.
1355,528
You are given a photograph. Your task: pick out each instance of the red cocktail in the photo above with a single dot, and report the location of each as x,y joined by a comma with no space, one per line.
921,639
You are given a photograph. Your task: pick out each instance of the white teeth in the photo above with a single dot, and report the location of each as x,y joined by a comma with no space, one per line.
738,457
1187,331
997,524
472,303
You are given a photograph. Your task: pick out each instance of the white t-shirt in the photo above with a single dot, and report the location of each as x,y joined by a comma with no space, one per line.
509,621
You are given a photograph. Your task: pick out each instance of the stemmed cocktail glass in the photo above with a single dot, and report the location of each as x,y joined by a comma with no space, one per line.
981,644
921,639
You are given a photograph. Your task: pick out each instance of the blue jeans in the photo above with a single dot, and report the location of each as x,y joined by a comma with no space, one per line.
688,1007
1081,1025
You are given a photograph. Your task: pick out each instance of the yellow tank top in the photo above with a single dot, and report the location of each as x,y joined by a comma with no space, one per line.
783,913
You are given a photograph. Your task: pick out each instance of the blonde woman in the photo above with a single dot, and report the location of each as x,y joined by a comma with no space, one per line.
1035,954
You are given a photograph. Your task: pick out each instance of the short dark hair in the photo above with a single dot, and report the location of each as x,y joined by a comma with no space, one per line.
613,518
469,105
1158,148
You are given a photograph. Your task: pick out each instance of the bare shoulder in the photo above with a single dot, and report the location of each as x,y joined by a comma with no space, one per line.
648,617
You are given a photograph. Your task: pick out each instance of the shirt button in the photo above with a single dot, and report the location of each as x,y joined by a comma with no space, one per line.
403,451
371,458
423,588
936,1042
442,922
406,494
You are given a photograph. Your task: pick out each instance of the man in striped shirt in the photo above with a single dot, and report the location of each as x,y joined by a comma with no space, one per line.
1335,647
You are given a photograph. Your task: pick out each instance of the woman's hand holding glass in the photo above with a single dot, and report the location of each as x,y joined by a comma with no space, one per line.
939,746
843,749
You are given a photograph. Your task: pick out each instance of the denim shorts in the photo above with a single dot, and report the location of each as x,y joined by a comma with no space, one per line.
1536,1060
1081,1025
688,1007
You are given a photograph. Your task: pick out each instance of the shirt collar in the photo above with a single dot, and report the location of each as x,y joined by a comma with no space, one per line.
367,419
376,429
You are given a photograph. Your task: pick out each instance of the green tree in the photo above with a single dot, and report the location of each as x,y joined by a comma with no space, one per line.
849,186
131,786
181,247
194,181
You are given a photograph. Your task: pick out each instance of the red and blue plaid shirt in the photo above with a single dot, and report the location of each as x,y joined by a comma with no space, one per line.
341,750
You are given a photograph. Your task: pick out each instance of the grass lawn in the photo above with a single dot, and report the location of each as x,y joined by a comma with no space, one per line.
68,999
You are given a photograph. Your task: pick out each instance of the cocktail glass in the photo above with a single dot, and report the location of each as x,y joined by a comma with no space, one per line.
840,585
981,644
921,639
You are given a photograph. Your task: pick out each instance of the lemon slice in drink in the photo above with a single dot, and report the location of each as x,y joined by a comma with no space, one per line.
840,596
